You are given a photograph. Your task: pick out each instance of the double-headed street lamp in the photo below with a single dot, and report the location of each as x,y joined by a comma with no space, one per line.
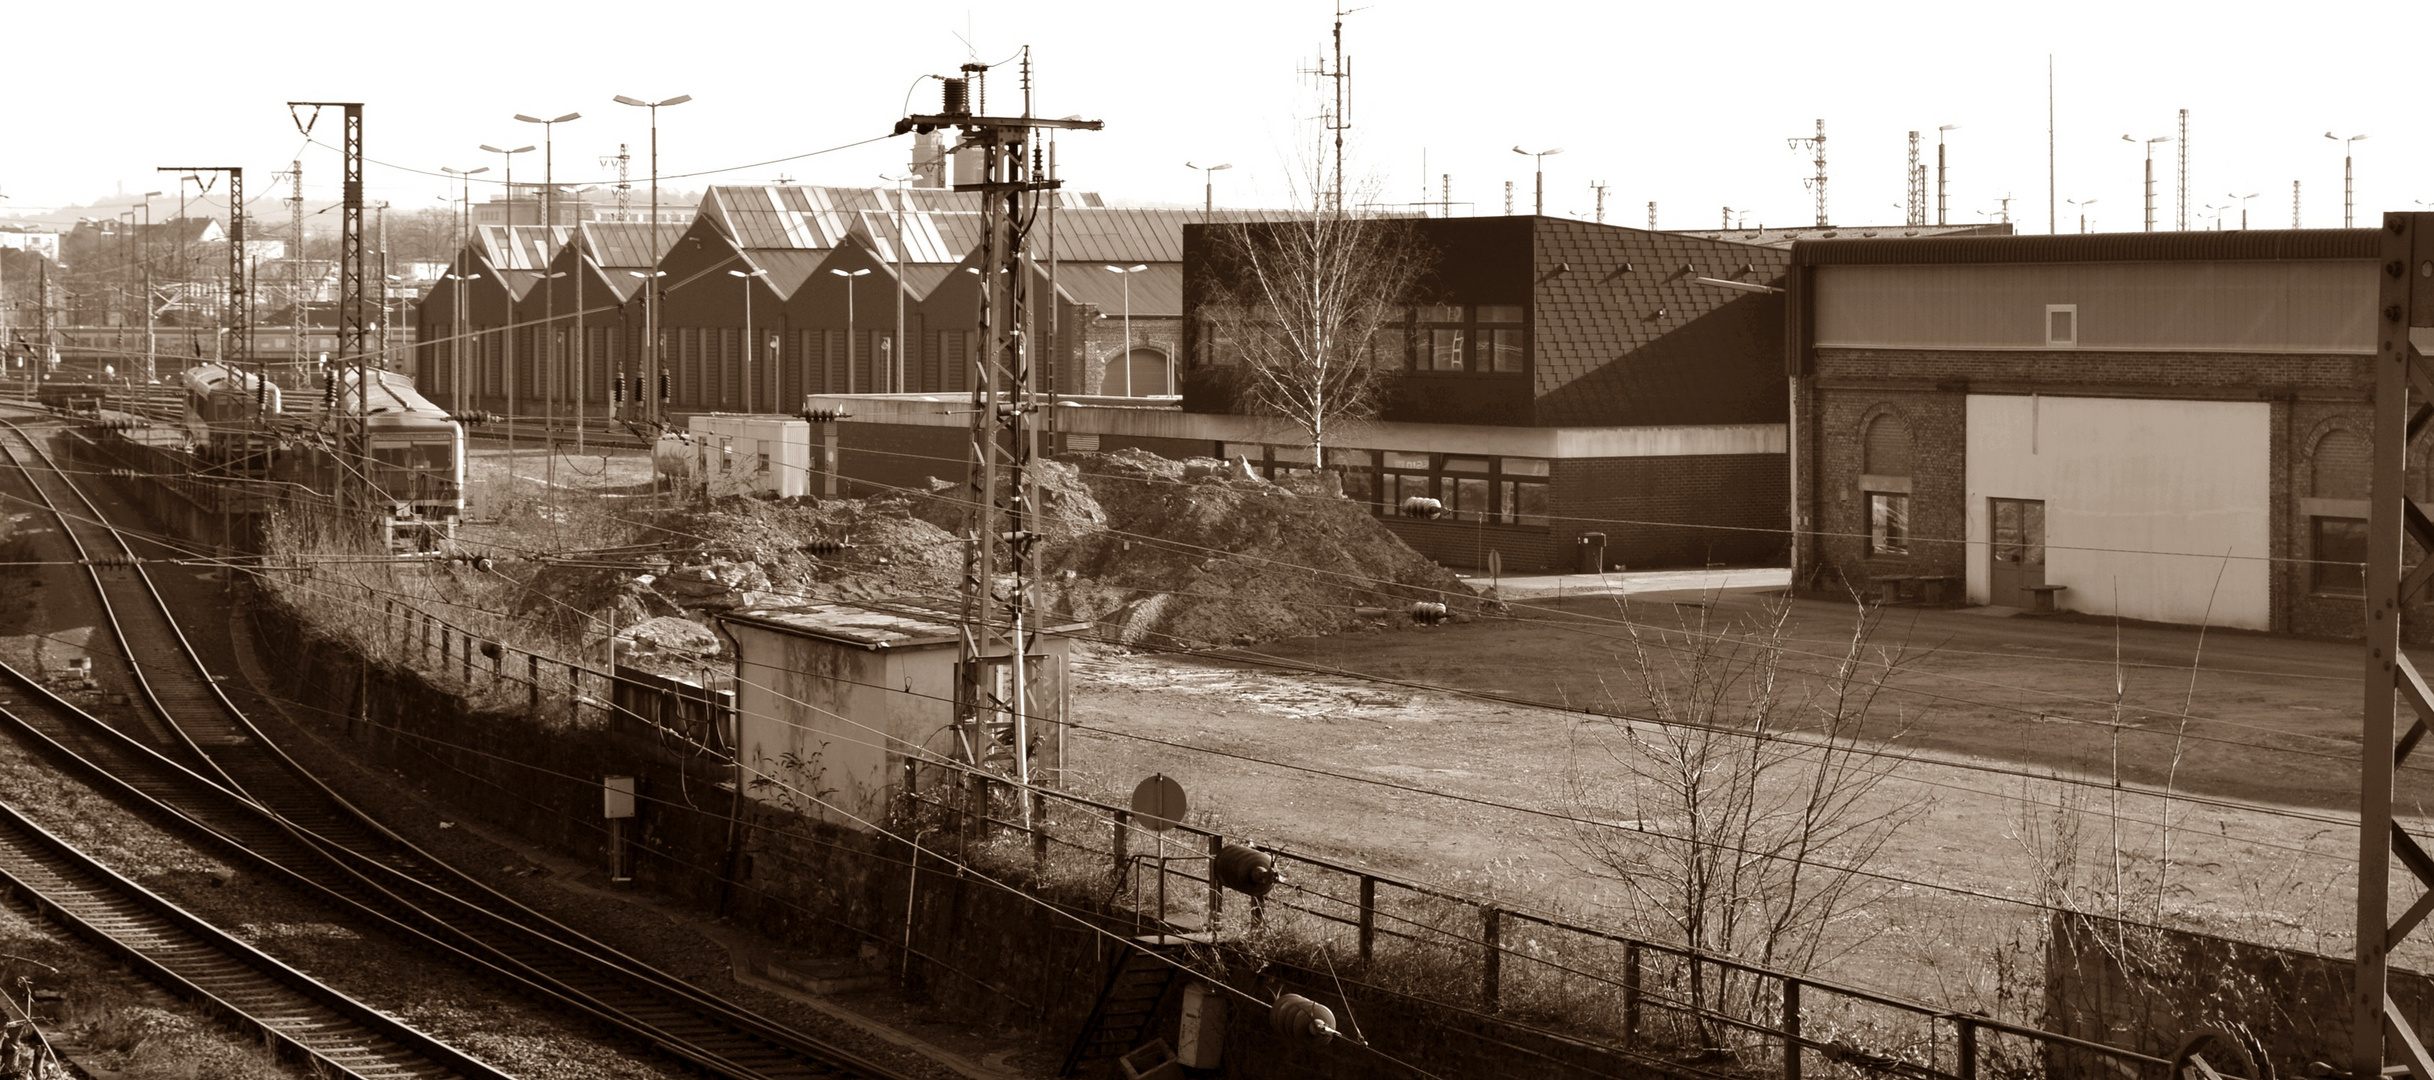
2150,174
849,321
1125,273
650,300
2347,205
1539,207
2082,204
509,369
456,345
549,247
895,348
151,352
1208,186
746,277
2244,207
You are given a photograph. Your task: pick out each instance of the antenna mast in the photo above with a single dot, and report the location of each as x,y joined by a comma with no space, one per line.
1816,183
621,161
1916,211
1600,189
1338,119
295,269
992,715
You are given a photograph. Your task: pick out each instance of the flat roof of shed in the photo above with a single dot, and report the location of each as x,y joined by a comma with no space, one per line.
882,624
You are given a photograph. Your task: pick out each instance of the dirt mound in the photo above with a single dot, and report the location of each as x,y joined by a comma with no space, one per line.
1152,552
1196,552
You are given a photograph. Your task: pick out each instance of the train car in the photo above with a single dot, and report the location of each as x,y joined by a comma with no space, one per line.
232,416
413,455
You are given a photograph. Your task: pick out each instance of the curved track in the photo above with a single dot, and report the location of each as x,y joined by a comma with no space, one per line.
220,773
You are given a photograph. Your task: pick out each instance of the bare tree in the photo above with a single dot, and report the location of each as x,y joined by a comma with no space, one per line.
1306,312
1748,804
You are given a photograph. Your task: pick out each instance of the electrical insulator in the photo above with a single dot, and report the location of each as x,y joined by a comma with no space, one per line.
1427,612
825,414
617,390
1301,1017
666,386
826,547
1421,506
1246,870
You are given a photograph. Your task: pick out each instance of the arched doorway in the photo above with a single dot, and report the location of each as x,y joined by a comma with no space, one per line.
1144,373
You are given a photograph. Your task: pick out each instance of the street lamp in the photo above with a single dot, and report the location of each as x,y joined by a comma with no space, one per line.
849,321
1125,273
1208,184
895,348
2244,208
549,248
650,299
746,277
456,344
509,349
1540,207
2150,174
2082,204
650,285
509,156
1939,171
151,351
2347,196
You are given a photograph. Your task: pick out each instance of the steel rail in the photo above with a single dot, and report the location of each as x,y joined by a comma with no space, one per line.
400,883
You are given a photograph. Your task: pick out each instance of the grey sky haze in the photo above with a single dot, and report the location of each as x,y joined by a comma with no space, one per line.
1688,105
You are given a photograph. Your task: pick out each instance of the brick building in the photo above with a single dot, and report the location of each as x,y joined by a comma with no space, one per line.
1557,378
2168,426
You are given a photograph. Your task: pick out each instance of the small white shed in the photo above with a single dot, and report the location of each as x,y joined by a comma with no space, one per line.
752,454
832,700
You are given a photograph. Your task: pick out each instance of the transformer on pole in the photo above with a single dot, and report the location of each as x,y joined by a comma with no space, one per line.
992,718
2380,1030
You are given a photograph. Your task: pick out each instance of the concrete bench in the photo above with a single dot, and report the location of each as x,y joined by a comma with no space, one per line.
2044,599
1889,587
1934,588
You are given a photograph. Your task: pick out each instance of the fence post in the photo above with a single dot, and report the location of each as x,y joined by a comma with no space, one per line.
1369,918
1631,993
1216,891
1791,1029
1491,966
1968,1065
1039,831
532,683
1123,838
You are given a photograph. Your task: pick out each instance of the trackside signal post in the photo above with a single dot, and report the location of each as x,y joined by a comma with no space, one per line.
997,629
2404,339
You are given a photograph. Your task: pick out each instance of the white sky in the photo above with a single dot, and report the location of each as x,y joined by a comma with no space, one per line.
1685,104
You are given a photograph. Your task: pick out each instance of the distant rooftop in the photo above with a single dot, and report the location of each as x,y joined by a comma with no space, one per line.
1785,236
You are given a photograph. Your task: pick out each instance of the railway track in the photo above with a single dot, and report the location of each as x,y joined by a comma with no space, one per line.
214,969
219,773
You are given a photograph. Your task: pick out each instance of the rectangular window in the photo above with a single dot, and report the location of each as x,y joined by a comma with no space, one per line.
1500,350
1466,497
1888,523
1517,466
1445,350
1437,313
1357,471
1525,504
2062,324
1396,459
2338,548
1500,313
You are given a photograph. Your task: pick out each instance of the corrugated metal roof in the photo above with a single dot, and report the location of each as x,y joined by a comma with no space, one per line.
2258,244
815,218
628,244
521,247
787,269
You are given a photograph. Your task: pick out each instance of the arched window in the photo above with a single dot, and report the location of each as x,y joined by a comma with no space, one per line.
1142,373
1885,484
2340,467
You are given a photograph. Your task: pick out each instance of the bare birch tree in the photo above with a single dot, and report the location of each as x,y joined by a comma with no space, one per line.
1748,804
1300,308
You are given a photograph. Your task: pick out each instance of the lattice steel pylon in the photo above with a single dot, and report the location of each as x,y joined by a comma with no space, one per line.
1915,206
992,719
1817,183
2379,1030
238,318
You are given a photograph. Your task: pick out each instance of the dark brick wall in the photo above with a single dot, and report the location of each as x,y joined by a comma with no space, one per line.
1938,443
1691,510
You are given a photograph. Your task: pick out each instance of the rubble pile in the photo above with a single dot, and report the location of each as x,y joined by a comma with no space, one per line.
1149,551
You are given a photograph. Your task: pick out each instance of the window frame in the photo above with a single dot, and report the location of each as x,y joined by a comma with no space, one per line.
2071,310
1474,339
1882,540
2317,567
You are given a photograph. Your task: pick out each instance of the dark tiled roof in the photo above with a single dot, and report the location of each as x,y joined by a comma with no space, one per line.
1623,335
2261,244
1785,237
787,269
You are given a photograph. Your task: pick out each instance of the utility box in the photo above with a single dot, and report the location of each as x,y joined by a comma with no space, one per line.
1200,1041
832,700
751,454
616,797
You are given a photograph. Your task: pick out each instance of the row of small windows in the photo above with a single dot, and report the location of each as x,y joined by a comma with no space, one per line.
1482,490
1487,339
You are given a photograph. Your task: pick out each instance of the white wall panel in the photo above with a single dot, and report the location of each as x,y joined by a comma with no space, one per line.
2153,509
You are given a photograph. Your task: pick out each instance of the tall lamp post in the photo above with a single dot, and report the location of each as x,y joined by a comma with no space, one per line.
2082,204
549,293
1125,273
1539,206
456,344
509,156
2244,208
2150,174
895,381
650,298
2347,177
849,321
650,285
1208,188
750,345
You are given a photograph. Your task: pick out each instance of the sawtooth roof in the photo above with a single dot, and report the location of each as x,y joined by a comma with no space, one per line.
628,245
